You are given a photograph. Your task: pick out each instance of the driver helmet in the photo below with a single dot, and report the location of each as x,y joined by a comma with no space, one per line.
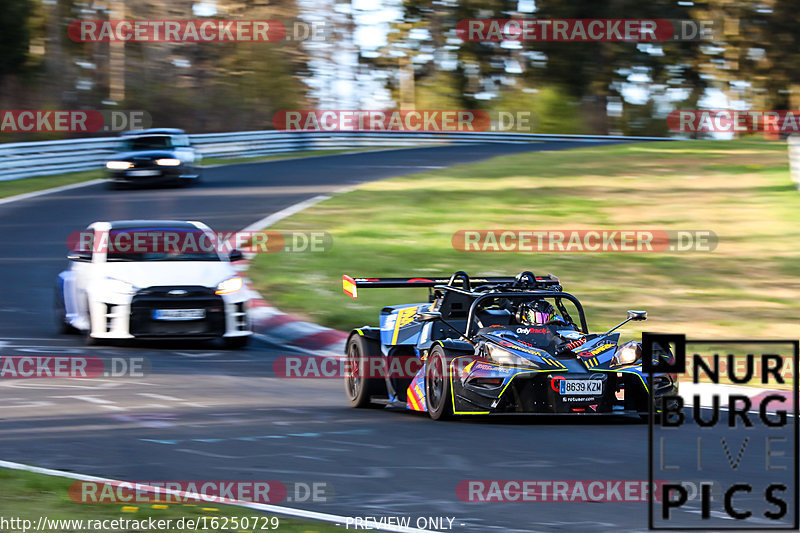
538,313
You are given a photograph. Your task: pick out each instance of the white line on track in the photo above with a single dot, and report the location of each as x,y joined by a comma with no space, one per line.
160,396
90,399
277,509
284,213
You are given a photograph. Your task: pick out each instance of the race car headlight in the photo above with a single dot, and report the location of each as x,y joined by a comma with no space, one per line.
504,357
168,162
229,285
118,165
112,287
627,354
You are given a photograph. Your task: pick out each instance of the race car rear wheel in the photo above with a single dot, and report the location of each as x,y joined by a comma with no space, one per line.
437,385
358,385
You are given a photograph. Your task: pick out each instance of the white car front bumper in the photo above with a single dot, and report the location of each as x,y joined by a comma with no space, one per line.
137,316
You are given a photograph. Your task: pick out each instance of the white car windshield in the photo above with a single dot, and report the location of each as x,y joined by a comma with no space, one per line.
161,244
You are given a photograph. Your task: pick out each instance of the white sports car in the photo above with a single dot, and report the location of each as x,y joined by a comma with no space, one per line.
124,283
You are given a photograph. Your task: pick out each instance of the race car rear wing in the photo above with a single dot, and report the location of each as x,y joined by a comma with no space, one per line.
459,279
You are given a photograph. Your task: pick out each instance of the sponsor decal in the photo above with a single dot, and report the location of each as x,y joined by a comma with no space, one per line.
491,368
595,351
528,331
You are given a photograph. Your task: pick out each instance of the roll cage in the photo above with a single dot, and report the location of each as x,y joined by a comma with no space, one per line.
463,300
452,300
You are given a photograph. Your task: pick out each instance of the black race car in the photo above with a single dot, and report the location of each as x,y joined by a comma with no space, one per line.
497,346
154,156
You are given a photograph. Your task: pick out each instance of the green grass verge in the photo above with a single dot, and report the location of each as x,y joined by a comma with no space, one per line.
749,286
28,496
15,187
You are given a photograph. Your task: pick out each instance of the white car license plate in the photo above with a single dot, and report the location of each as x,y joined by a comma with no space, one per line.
144,172
583,387
178,314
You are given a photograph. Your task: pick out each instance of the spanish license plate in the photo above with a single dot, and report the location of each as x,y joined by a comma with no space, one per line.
144,172
178,314
582,387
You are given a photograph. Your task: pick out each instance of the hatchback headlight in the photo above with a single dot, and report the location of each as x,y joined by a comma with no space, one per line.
118,165
168,162
229,285
111,286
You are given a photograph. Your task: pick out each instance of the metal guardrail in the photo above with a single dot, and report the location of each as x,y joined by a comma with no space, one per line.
43,158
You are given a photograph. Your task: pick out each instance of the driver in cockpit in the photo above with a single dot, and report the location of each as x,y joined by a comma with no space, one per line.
538,313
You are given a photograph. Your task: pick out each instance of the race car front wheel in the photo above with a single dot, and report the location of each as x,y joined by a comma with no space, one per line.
437,385
359,386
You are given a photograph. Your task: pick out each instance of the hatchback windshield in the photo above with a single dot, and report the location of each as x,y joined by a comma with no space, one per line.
161,244
147,142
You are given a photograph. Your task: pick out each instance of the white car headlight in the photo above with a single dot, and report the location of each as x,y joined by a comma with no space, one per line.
229,285
168,162
627,354
118,165
112,286
504,357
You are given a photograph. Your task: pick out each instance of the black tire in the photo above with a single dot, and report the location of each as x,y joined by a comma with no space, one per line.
236,343
437,385
358,387
88,340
